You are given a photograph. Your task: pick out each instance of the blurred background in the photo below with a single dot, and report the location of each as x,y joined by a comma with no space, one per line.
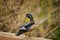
46,15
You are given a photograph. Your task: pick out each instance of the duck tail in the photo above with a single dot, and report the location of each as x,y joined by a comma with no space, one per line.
19,33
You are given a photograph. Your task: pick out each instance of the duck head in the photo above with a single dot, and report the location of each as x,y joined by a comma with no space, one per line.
29,16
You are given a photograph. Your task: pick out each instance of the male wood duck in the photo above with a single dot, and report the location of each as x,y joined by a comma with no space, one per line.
27,26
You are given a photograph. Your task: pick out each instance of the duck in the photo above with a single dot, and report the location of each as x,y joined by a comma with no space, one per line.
27,26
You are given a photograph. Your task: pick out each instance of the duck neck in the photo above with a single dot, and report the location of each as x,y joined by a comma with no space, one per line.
31,20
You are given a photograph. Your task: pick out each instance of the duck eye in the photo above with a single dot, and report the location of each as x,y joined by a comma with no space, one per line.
29,16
